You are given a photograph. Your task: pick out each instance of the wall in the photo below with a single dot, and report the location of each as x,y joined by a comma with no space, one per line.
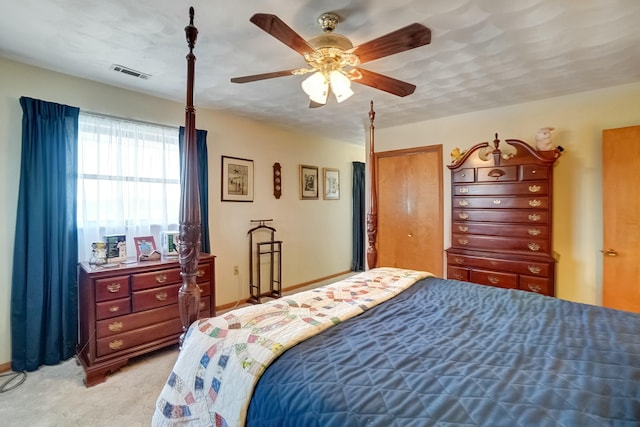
579,120
316,234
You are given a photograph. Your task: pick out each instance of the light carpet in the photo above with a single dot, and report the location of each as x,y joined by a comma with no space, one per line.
55,396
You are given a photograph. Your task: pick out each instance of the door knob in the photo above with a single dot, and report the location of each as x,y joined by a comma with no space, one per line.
610,252
410,235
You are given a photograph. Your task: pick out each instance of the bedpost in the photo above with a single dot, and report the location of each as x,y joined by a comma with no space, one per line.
372,217
189,231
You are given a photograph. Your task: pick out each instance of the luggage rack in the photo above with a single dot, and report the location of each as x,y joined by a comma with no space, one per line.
272,248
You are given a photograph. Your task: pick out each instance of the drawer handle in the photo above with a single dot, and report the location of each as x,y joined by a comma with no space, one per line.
115,326
202,305
463,203
459,260
114,345
113,287
496,173
457,276
114,308
533,287
497,201
200,272
533,246
463,215
534,217
463,228
494,280
534,231
534,188
161,296
534,269
463,190
161,278
535,203
463,241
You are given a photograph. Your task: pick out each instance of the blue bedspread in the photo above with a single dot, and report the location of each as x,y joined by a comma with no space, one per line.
449,353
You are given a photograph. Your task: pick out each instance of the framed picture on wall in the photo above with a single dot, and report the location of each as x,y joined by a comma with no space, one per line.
237,179
331,178
308,182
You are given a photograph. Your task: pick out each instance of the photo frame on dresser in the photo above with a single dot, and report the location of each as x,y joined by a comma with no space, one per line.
236,180
309,182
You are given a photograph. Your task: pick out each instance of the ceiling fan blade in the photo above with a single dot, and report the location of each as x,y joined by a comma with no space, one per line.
281,31
385,83
253,78
406,38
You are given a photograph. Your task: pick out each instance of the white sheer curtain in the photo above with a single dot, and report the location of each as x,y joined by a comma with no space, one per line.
128,180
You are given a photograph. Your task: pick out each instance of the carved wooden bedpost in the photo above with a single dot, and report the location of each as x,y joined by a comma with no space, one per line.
372,217
189,231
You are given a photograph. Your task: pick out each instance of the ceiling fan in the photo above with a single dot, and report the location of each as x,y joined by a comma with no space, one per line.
334,62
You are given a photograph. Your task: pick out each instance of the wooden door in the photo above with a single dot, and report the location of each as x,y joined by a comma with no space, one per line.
410,209
621,216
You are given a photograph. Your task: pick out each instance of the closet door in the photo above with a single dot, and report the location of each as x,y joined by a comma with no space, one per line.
410,209
621,208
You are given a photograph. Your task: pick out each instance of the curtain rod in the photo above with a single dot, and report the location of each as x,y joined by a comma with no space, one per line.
91,113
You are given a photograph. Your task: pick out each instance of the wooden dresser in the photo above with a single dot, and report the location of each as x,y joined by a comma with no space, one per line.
501,217
132,309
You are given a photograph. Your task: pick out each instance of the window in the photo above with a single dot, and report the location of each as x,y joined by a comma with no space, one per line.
128,180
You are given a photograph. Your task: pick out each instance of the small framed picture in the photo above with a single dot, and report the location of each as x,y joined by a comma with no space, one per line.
145,246
237,179
331,183
308,182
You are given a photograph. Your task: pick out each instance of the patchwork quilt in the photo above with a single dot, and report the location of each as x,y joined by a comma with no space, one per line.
223,357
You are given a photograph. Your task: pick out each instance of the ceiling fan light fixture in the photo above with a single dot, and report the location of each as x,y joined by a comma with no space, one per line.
316,86
340,85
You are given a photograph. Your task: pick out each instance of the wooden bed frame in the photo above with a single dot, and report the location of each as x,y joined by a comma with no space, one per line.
189,217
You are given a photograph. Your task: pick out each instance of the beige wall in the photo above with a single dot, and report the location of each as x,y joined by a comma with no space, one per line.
579,120
316,234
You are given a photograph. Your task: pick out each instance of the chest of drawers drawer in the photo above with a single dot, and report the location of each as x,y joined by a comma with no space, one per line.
506,230
504,189
501,215
529,245
501,202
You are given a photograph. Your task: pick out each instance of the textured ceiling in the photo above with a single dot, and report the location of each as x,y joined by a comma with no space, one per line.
483,53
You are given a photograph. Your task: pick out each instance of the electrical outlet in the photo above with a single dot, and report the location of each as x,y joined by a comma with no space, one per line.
236,270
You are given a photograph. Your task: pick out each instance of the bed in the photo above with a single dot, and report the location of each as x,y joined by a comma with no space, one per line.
394,347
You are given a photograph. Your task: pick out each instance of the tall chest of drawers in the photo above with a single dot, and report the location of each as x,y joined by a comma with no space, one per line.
501,217
132,309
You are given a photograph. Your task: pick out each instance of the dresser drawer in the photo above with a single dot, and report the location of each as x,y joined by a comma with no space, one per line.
138,337
540,285
501,202
479,242
498,174
129,322
107,309
154,279
510,189
534,172
164,295
112,288
494,278
501,215
457,273
506,230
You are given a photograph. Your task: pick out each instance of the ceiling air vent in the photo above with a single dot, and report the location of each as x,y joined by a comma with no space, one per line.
129,71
